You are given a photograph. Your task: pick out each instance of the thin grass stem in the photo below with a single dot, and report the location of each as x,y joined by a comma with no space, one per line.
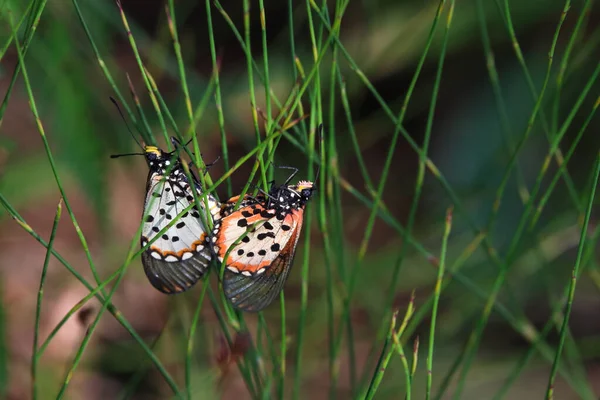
190,342
38,308
573,284
436,302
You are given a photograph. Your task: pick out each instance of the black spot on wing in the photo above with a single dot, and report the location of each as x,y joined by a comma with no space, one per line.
264,235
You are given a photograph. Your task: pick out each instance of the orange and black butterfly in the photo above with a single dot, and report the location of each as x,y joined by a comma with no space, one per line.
258,242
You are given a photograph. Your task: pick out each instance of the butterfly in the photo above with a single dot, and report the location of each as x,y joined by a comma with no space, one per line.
177,259
258,242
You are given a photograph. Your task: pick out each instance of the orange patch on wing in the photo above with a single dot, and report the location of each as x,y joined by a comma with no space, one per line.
291,244
240,266
178,289
180,253
232,220
232,200
287,250
295,215
286,256
228,206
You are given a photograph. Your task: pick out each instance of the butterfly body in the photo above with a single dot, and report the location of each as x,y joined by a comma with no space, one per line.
177,259
258,242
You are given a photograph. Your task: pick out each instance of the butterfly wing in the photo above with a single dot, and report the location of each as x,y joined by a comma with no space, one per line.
228,207
180,256
257,265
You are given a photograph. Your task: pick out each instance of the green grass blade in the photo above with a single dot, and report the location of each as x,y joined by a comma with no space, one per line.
105,305
304,273
537,338
38,308
384,360
17,27
35,15
498,283
575,275
190,343
218,95
500,103
535,95
546,196
142,68
436,301
94,291
40,128
146,134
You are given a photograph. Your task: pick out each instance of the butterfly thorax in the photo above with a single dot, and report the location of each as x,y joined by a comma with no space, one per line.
284,199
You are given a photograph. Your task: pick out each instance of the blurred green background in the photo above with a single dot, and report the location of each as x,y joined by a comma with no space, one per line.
473,140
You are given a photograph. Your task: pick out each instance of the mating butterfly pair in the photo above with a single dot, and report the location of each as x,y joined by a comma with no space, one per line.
258,240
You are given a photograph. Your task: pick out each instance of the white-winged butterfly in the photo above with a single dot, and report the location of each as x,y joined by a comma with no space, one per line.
177,259
180,257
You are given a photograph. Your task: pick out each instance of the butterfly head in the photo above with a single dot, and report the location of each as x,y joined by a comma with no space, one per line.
157,160
305,189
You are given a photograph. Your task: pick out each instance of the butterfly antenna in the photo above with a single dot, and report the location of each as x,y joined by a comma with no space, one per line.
126,124
126,154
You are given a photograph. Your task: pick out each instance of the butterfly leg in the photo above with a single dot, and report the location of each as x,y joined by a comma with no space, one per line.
261,191
287,167
176,143
207,166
